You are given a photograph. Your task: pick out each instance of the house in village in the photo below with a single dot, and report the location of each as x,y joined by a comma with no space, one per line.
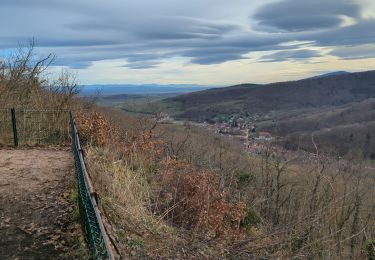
264,136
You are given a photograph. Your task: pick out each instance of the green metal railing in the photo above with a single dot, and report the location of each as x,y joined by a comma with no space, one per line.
91,221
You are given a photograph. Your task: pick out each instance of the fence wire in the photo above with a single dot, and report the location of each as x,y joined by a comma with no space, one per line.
34,127
6,132
90,217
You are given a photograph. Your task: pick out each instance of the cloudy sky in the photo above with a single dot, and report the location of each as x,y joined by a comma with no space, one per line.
212,42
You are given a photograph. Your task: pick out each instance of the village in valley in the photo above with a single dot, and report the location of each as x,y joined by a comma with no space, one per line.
242,128
246,131
252,139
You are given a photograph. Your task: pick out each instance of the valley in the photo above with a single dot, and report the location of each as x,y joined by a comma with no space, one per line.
338,109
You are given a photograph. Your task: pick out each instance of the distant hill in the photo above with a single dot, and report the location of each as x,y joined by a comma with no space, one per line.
245,99
331,74
115,89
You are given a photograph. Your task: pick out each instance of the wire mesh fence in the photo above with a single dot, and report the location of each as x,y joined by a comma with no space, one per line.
34,127
6,132
91,221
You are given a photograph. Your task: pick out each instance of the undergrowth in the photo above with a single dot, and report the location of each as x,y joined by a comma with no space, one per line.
162,201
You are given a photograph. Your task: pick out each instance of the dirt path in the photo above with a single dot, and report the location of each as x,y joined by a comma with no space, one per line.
35,205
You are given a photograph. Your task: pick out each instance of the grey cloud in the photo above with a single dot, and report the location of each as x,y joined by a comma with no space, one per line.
361,33
93,26
142,65
80,64
203,50
72,63
290,55
300,22
143,57
223,51
144,60
158,28
77,42
146,33
355,52
301,15
215,59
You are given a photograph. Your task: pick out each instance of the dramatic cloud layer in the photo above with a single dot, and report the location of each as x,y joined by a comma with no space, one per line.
143,35
290,55
302,15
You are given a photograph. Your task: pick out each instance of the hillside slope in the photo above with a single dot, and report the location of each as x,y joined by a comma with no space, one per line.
285,96
346,129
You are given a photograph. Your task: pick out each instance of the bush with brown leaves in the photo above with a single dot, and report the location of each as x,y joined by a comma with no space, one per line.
96,129
196,202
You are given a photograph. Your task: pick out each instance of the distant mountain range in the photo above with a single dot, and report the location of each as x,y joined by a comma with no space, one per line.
147,89
114,89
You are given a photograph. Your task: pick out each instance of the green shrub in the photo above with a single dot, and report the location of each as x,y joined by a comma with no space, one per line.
245,178
298,242
75,213
370,249
251,219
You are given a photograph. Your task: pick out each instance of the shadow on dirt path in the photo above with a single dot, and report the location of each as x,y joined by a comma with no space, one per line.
35,205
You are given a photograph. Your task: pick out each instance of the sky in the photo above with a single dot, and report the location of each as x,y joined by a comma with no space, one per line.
210,42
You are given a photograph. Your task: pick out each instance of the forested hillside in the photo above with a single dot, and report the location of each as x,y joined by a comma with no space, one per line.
276,97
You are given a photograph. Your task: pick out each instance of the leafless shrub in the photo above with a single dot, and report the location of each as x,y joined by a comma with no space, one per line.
24,82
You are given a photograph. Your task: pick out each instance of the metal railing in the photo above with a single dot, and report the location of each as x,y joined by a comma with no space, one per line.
92,224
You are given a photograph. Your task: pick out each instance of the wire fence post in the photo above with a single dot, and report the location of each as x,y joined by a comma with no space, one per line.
14,125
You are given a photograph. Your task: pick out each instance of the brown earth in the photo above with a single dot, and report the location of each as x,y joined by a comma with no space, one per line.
36,209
